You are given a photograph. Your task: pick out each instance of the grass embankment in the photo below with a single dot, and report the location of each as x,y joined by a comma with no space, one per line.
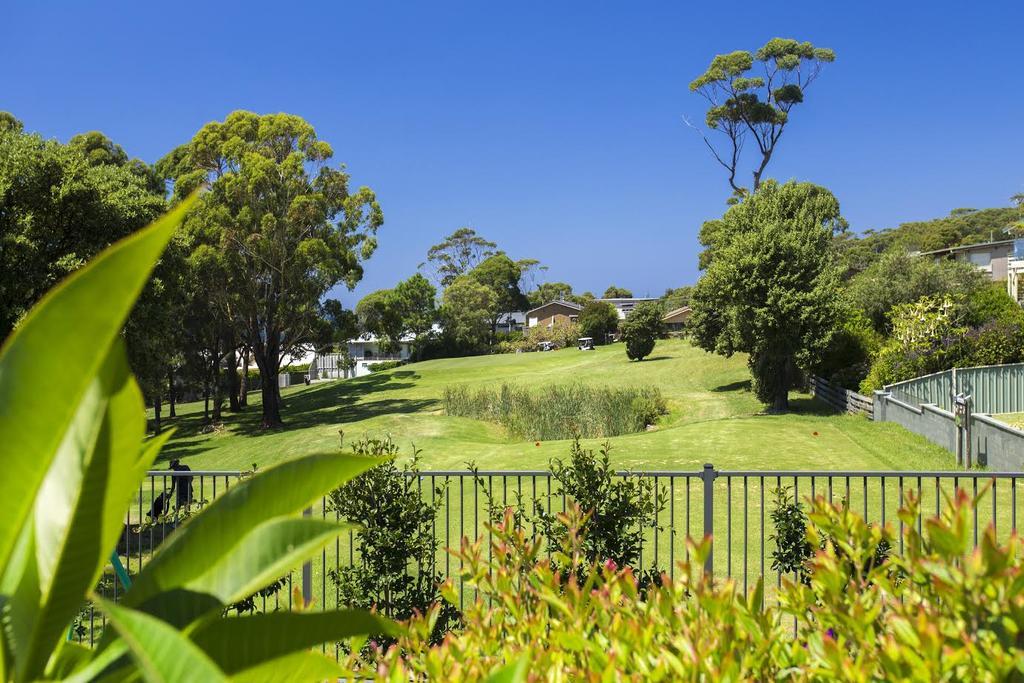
713,417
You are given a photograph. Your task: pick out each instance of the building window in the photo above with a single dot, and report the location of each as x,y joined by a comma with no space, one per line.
981,258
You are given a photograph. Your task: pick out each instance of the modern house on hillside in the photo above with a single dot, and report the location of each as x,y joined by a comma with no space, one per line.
991,257
1003,260
548,314
625,306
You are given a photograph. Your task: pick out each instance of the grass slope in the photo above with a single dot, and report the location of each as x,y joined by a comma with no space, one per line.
713,418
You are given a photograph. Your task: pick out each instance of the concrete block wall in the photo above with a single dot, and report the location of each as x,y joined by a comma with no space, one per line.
995,445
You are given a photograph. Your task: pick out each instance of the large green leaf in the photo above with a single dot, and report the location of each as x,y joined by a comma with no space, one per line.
51,359
263,555
300,667
80,509
243,642
284,489
162,653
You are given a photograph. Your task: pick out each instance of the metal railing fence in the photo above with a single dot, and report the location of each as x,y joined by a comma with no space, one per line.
732,506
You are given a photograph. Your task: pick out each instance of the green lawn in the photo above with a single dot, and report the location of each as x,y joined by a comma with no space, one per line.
1012,419
713,418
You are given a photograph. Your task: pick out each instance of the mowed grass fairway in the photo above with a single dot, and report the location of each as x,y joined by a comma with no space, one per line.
713,418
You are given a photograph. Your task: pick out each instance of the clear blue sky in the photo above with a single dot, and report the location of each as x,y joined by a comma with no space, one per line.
554,128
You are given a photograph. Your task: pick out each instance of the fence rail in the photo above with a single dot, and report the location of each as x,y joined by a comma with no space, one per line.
840,398
733,507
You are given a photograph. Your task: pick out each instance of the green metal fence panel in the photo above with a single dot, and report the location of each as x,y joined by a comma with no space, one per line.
994,389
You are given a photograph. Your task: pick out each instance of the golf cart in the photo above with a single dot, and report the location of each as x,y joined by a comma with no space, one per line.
546,346
585,343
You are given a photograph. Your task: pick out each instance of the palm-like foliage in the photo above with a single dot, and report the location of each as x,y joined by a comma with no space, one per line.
73,448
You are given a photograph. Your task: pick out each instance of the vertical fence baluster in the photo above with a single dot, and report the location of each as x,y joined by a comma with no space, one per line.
746,539
672,527
709,517
728,527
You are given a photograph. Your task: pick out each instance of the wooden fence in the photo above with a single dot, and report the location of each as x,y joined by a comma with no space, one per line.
842,399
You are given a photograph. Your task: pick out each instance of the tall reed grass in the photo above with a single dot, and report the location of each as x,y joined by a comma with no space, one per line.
559,411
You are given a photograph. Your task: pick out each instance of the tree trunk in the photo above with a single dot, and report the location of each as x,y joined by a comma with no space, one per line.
781,402
206,401
268,359
156,414
218,392
243,384
170,393
233,383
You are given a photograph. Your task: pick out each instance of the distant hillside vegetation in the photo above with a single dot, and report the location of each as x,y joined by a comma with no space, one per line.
961,226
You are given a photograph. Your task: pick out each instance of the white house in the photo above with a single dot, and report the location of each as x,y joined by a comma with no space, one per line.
364,351
625,306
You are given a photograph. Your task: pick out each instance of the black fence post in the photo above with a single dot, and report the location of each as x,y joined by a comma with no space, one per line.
307,572
708,476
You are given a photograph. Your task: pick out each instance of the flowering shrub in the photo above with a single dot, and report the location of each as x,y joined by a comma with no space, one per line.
942,611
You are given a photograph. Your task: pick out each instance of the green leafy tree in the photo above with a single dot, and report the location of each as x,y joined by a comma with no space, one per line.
459,253
677,298
597,320
57,210
341,324
466,309
502,275
390,314
550,291
751,96
614,292
772,287
286,223
641,328
900,278
416,299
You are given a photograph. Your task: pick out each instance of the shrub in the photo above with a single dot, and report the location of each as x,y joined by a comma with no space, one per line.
558,411
641,328
395,573
617,509
597,319
385,365
942,611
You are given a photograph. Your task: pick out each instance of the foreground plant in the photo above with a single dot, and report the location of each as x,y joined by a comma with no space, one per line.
942,611
74,452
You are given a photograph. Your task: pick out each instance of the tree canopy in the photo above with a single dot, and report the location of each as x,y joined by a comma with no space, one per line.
284,224
751,97
58,209
597,320
614,292
467,306
459,253
640,329
772,287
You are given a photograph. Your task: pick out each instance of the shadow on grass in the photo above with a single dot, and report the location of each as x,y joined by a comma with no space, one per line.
320,404
808,405
654,358
742,385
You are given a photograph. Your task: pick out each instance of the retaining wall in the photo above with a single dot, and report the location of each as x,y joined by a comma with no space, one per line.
994,444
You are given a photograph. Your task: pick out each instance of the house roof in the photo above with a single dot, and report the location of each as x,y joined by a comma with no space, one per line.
627,299
562,302
968,247
679,311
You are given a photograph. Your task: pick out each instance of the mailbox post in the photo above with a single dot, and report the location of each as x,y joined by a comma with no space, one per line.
962,420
